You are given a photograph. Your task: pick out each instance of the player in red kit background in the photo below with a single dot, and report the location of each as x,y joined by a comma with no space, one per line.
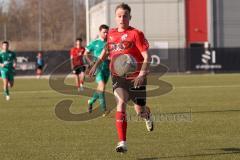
77,64
127,40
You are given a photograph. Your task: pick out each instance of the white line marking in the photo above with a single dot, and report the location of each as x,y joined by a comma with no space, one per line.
181,87
33,92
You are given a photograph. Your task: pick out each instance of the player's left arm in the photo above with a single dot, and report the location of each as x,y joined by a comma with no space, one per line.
145,66
143,45
14,61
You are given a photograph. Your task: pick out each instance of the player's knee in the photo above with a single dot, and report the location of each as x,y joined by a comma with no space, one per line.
121,103
5,81
11,84
100,88
138,109
121,106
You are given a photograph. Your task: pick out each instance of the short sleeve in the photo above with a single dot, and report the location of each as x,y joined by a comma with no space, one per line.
141,42
83,49
71,52
90,47
14,55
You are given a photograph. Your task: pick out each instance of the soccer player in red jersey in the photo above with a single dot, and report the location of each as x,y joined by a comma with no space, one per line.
77,64
127,40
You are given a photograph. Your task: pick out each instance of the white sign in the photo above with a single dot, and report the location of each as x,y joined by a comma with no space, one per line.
160,45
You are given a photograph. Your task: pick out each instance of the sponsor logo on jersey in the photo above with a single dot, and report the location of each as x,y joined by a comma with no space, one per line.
124,45
124,37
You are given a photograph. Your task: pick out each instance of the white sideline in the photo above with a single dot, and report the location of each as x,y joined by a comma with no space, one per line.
182,87
42,77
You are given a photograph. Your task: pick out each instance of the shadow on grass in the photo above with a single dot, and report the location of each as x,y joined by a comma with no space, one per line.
214,111
220,151
218,111
62,108
231,149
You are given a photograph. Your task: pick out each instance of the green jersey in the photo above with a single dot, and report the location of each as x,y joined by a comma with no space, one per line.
7,58
96,47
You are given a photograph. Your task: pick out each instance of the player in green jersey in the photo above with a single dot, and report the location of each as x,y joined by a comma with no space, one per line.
7,68
102,74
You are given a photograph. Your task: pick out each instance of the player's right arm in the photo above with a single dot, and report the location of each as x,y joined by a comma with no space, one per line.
101,58
1,61
88,50
86,55
71,59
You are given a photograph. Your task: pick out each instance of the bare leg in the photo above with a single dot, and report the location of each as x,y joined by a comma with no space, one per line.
82,76
5,88
144,112
77,81
81,80
10,83
39,73
5,85
101,86
122,97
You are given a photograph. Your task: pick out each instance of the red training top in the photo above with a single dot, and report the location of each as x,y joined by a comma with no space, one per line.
131,41
77,56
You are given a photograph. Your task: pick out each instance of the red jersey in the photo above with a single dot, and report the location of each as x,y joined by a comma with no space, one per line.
77,56
131,41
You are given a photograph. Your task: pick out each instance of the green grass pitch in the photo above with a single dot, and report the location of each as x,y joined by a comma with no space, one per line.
198,120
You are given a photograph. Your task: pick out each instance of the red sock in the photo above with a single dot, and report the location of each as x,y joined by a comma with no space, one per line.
121,125
81,82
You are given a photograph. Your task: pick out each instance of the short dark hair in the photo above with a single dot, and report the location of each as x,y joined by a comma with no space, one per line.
79,39
124,6
5,42
103,26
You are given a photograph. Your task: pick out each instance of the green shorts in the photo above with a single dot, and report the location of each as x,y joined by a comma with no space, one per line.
7,74
102,75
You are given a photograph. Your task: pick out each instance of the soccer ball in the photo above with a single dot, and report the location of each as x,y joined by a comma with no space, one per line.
123,65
